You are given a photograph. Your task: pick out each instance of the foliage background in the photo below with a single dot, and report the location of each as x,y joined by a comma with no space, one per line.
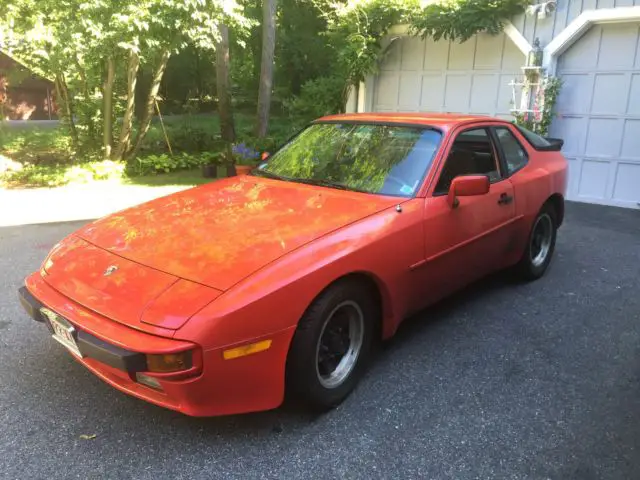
323,48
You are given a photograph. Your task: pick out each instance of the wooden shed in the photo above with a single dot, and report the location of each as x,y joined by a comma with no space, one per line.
24,95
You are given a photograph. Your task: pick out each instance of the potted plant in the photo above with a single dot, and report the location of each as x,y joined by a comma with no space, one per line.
210,164
245,158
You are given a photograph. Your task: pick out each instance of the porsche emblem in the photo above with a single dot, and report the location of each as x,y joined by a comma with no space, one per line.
110,270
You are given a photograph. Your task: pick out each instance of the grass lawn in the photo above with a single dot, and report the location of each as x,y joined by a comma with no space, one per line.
182,177
42,156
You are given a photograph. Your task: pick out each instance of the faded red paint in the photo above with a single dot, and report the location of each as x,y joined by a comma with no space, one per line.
240,259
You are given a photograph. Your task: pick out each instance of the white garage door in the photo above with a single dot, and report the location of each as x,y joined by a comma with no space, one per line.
470,77
599,115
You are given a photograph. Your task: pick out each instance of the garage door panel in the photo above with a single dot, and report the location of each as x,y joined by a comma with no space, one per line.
486,48
412,54
573,131
610,93
432,92
573,166
575,94
456,94
626,188
631,140
599,115
484,92
448,72
616,51
392,59
512,58
461,55
409,92
594,179
633,107
583,54
436,55
387,90
603,137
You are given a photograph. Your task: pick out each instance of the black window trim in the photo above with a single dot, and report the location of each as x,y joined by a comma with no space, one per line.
503,157
540,148
492,141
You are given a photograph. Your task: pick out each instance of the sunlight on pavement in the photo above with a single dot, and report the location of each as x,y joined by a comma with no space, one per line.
77,202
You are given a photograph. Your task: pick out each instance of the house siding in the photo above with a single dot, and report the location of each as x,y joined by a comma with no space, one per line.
566,11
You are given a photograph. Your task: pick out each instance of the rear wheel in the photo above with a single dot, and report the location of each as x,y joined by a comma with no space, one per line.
540,246
332,345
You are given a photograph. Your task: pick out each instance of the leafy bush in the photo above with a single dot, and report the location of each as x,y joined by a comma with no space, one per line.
318,97
164,163
191,137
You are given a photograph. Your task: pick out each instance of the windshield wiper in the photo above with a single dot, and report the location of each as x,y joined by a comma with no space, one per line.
330,184
269,174
308,181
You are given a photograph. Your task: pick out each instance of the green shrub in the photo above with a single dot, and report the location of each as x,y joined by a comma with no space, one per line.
164,163
318,97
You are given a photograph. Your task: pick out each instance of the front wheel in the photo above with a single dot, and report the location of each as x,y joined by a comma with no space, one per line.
331,346
540,246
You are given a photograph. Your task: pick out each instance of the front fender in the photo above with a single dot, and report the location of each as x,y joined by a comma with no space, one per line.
273,299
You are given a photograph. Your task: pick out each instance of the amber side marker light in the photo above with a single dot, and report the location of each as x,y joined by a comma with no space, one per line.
246,350
169,362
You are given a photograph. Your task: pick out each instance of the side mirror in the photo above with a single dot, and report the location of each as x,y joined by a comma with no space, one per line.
264,156
467,186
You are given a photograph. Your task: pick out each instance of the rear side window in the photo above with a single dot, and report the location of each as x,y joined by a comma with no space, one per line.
514,155
533,138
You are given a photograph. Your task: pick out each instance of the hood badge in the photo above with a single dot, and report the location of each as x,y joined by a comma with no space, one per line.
110,270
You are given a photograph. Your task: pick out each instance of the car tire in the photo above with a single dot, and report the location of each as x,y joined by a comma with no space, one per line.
309,378
540,245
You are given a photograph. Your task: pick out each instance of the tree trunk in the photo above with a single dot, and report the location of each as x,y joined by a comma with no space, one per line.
266,69
151,100
227,128
107,94
91,130
127,121
62,92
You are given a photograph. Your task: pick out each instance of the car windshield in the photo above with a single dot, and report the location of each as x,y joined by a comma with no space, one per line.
380,159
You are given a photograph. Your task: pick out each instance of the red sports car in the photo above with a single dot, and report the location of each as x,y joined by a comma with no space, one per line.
223,298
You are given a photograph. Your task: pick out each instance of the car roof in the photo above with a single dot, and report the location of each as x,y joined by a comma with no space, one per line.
443,120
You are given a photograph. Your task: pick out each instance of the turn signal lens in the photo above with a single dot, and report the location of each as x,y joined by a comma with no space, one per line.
246,349
148,381
170,362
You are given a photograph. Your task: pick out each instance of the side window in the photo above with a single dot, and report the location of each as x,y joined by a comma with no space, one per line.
514,155
471,154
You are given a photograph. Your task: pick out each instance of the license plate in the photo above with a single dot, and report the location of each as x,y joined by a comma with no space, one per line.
63,331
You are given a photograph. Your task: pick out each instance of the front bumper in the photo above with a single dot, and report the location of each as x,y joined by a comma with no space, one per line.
89,345
115,353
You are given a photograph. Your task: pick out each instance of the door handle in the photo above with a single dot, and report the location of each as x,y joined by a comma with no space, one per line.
505,199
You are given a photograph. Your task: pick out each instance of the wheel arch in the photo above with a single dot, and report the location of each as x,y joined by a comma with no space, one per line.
378,290
557,202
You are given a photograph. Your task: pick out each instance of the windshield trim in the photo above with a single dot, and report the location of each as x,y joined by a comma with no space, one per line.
360,122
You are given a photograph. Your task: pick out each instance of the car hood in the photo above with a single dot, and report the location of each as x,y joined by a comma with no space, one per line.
220,233
120,289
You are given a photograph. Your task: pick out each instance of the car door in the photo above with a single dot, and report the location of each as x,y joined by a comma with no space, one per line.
466,242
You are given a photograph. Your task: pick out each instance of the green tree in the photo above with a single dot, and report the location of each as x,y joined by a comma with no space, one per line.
94,49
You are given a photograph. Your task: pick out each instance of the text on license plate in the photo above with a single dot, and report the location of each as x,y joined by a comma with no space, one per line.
62,331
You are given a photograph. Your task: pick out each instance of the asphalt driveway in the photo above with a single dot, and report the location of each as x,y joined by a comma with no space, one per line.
536,381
